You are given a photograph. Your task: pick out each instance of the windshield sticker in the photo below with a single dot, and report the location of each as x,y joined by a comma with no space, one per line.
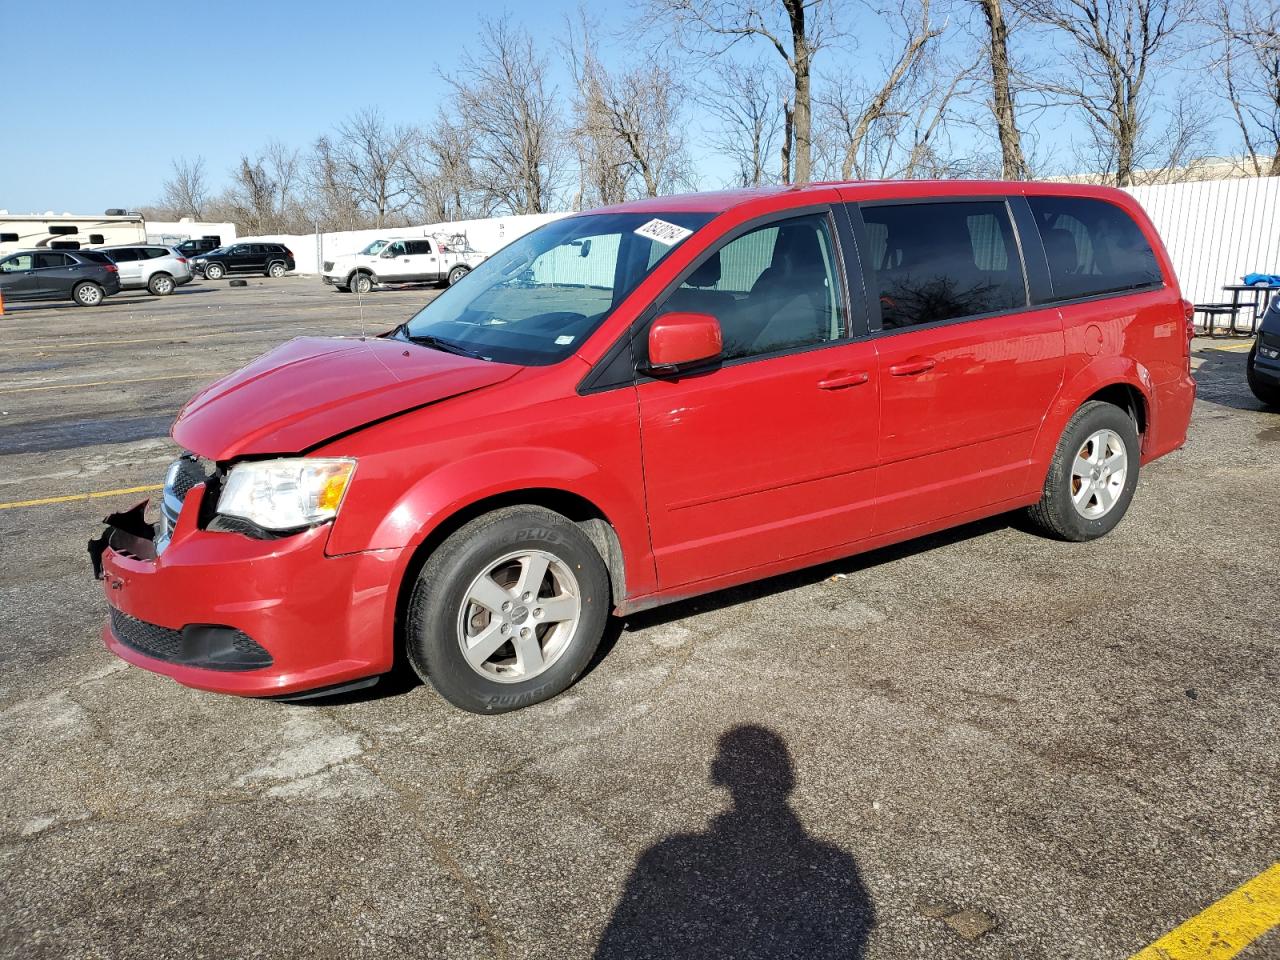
667,234
562,341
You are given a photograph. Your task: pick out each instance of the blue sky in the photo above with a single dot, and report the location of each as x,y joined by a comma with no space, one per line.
114,95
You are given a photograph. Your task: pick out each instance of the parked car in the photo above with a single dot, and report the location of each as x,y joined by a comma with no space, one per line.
268,259
196,246
150,267
648,402
85,276
1263,368
400,260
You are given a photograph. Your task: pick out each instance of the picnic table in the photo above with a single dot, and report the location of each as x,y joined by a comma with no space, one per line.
1244,296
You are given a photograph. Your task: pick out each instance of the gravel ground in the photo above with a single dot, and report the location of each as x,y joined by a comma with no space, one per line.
983,744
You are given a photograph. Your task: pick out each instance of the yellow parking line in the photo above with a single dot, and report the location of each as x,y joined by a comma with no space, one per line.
1235,346
1225,928
79,496
108,383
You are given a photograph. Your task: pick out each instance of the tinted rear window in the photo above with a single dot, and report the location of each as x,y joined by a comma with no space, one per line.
943,261
154,253
95,255
123,255
1093,247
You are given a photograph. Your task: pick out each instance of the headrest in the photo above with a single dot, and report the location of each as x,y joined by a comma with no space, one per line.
707,274
1060,248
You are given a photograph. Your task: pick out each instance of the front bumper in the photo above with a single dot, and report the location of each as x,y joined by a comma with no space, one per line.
230,614
1267,369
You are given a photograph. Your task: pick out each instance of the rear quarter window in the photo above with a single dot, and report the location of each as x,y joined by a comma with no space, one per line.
1093,247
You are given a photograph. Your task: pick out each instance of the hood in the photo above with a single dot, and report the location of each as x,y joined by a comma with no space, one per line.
314,388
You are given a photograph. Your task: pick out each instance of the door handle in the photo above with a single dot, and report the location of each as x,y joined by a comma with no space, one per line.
839,380
909,368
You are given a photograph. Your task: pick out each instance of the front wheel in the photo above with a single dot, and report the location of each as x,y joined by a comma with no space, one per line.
361,283
160,285
1092,476
214,271
508,611
457,273
1268,393
276,270
87,294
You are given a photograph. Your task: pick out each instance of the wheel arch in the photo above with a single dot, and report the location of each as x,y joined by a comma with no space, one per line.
1121,381
577,508
357,271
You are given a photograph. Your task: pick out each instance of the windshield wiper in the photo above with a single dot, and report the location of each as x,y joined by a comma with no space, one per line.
437,343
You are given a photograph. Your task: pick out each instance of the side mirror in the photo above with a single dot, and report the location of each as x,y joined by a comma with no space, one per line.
679,339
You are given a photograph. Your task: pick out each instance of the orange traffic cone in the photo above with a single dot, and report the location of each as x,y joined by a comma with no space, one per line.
1,303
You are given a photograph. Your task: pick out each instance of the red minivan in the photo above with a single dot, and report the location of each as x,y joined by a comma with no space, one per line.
647,402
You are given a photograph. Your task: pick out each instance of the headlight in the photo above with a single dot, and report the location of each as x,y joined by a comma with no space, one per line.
286,494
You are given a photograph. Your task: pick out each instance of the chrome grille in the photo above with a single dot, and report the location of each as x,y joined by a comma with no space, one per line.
183,474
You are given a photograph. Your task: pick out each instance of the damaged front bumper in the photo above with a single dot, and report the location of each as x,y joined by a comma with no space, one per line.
228,613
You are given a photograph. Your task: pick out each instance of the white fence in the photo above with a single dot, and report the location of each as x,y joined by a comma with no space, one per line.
1216,231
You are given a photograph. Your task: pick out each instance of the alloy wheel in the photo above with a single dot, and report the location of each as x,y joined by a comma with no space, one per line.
1098,474
518,616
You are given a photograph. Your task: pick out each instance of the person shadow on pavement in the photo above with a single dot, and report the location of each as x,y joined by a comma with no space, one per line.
754,885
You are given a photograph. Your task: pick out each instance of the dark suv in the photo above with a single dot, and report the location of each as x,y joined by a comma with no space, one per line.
196,247
85,276
269,259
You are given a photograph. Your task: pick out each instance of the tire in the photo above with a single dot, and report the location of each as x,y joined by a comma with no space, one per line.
360,283
87,294
1083,498
457,273
214,271
1267,393
276,270
513,669
160,285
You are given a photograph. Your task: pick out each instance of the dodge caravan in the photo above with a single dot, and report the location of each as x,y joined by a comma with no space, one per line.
646,402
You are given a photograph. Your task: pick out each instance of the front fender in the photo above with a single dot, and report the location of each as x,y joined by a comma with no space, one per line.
1099,373
411,517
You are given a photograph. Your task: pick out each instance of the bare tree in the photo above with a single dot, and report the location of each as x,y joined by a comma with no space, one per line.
438,169
630,122
1115,46
1248,68
744,102
506,97
186,192
853,108
1013,161
795,29
264,193
365,158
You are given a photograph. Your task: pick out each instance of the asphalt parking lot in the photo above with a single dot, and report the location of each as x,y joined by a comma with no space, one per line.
983,744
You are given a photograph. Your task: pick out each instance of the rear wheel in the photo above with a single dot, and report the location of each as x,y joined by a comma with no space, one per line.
457,273
276,270
160,284
361,283
1268,393
1092,476
508,611
214,271
87,294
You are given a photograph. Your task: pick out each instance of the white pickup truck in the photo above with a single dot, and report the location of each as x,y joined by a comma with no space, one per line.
401,260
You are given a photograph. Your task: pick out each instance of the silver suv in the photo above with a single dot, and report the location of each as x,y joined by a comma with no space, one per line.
157,269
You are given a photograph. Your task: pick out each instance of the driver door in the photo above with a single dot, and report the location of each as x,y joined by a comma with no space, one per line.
17,276
770,455
395,265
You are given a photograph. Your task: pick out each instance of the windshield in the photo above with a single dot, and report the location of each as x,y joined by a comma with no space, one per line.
537,299
373,249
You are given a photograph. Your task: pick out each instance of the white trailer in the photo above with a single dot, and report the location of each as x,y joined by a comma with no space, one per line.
49,231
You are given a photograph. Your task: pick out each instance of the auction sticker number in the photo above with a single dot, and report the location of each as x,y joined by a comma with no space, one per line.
667,234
